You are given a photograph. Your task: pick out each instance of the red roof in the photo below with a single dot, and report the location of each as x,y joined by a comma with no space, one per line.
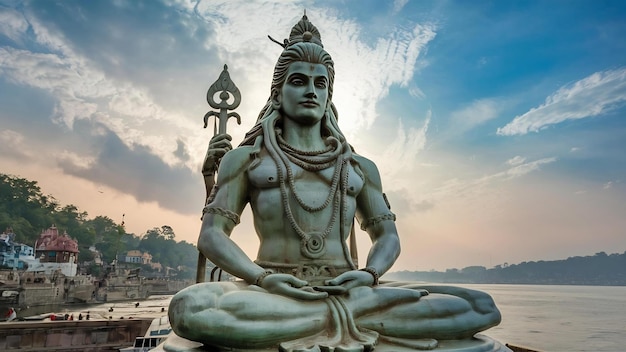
50,240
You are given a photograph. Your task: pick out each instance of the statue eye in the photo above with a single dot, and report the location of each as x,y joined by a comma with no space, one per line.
320,84
296,81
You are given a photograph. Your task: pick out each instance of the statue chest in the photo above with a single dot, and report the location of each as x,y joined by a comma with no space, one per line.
311,184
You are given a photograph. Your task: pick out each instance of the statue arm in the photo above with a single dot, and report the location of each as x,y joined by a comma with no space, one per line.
219,145
221,216
374,213
372,210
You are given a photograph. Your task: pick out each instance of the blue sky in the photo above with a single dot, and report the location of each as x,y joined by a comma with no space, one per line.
498,126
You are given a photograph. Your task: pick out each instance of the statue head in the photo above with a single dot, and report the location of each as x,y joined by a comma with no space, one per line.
306,52
304,45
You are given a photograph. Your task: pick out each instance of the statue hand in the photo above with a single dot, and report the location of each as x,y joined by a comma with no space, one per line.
218,146
346,281
290,286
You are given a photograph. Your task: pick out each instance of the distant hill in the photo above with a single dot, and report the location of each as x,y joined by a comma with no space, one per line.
599,269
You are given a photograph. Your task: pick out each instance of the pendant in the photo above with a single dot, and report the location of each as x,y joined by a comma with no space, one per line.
313,245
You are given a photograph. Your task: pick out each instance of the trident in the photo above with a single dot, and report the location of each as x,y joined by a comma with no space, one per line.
226,87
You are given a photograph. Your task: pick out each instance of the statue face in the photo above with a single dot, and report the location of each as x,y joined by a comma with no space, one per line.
304,94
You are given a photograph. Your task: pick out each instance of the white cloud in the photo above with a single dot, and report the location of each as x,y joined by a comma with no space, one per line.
475,114
475,187
416,92
84,92
399,157
80,161
12,145
12,24
398,5
523,169
364,72
516,160
594,95
10,137
84,89
135,102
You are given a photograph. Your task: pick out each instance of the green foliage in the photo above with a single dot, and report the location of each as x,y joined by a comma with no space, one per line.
25,209
160,243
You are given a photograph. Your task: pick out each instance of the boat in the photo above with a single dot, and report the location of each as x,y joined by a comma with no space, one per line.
157,332
516,348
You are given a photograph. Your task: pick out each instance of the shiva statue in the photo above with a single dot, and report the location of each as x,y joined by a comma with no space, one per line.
305,186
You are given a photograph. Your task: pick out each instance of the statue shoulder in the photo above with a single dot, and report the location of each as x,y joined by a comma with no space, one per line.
235,162
368,168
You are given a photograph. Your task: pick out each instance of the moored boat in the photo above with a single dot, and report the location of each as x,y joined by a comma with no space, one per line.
516,348
159,330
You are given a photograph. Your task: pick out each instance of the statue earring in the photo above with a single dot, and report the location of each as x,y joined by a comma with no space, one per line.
276,101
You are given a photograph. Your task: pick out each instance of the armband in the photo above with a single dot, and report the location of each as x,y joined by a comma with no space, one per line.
222,212
376,219
373,272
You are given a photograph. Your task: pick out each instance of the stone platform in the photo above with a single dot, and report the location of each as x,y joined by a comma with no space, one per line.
480,343
71,335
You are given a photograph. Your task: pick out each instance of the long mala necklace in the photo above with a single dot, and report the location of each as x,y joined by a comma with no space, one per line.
312,244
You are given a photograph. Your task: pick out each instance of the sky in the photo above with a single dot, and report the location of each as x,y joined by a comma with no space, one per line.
497,126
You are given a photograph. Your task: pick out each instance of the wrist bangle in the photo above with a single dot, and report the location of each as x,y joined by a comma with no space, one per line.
373,272
260,278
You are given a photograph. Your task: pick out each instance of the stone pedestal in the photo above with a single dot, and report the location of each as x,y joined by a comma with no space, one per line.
480,343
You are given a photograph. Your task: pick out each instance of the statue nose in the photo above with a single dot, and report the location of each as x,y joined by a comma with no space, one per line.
310,91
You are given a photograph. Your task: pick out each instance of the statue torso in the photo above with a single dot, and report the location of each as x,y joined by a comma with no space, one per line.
270,201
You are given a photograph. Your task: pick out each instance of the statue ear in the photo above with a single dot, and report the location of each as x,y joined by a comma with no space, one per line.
276,99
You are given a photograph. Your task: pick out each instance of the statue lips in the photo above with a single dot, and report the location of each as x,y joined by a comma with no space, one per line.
309,104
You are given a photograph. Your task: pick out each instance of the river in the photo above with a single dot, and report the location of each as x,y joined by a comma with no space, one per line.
542,317
560,318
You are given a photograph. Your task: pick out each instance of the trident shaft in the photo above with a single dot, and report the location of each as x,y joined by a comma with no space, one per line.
226,88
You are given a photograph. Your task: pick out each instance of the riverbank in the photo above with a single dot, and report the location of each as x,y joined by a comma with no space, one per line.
103,327
149,308
98,335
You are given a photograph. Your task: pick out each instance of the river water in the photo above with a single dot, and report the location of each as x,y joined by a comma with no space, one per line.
560,318
542,317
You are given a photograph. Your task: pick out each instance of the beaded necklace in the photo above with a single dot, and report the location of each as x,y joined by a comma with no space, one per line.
312,244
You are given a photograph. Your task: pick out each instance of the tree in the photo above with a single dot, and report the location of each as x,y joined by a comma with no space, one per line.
24,207
106,236
167,232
